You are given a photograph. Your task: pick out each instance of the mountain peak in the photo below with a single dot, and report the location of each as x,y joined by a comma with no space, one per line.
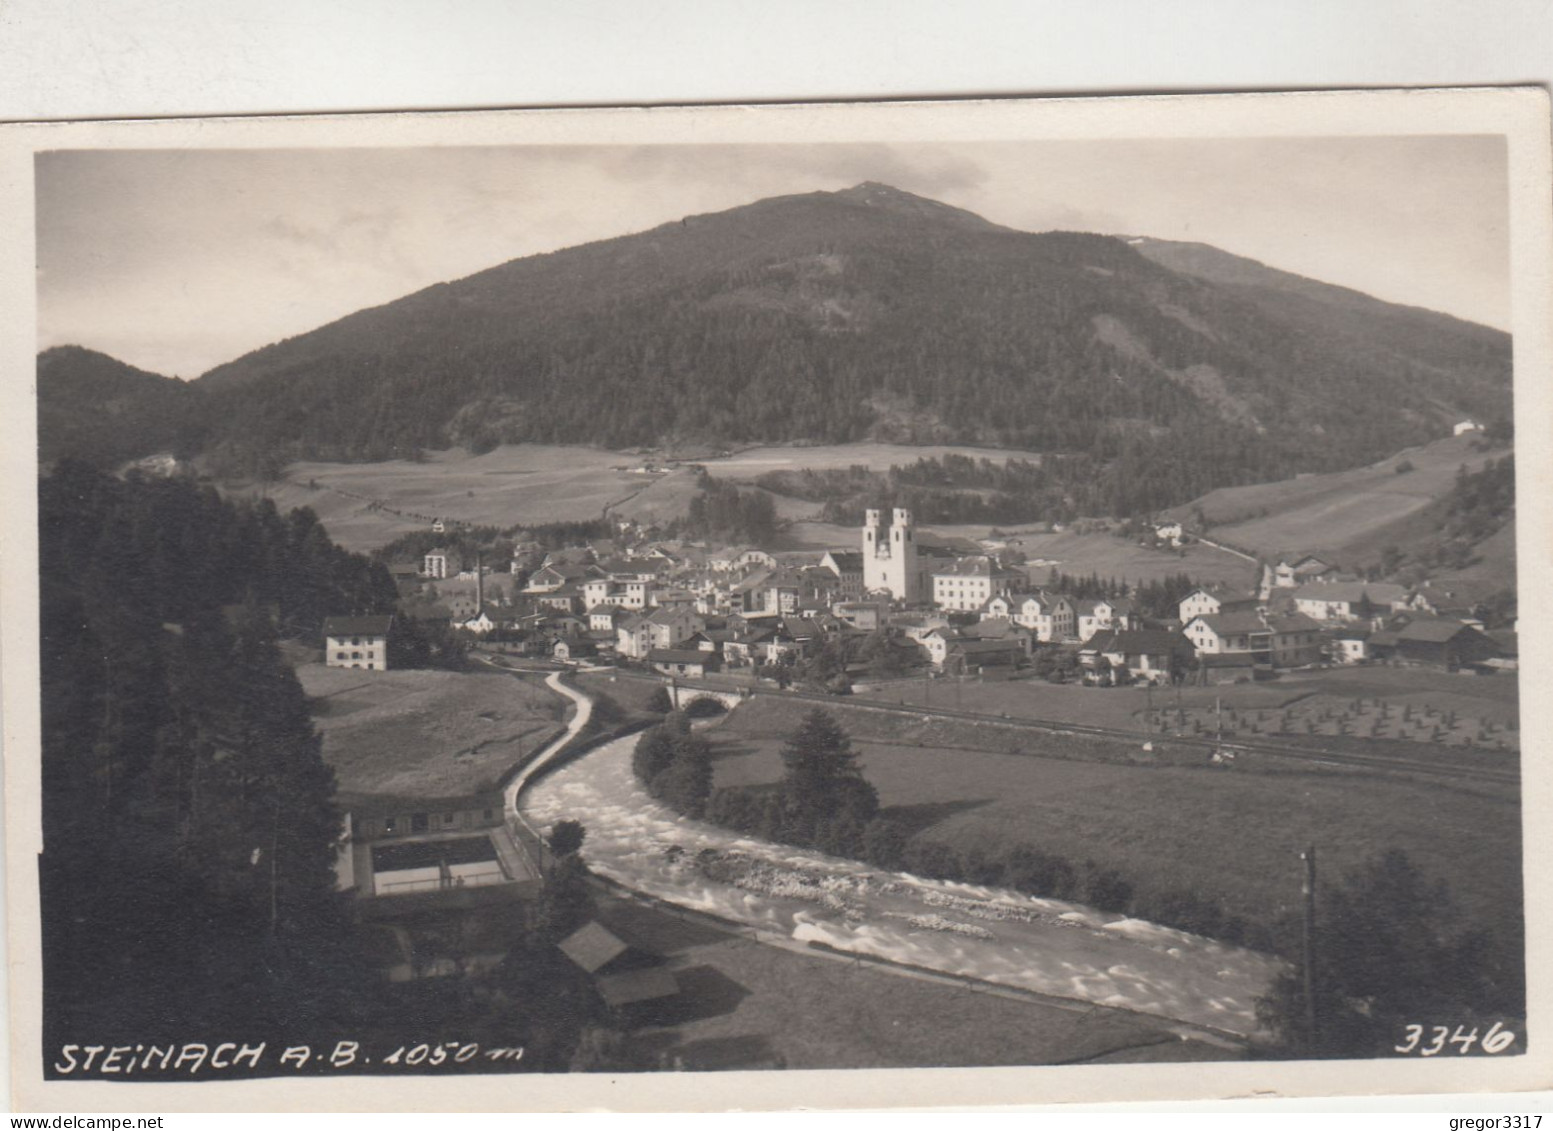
875,189
888,198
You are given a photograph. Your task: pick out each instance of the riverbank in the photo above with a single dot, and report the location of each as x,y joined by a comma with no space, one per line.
997,937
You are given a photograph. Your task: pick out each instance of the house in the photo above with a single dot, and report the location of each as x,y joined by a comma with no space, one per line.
1225,667
406,575
1171,532
1295,642
936,643
1349,644
1050,617
1001,628
1132,656
747,646
605,618
569,651
555,574
791,639
622,972
847,565
599,591
1242,633
1117,613
435,564
983,657
1292,572
769,593
566,598
915,626
1207,602
1086,618
969,583
1348,600
1444,644
357,642
663,628
865,616
690,662
1465,426
480,623
737,558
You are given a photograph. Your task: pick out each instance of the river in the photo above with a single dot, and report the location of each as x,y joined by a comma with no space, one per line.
994,935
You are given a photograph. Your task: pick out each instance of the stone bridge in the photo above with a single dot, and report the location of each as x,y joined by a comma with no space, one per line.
683,697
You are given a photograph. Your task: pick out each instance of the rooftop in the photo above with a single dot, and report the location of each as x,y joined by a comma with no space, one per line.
357,626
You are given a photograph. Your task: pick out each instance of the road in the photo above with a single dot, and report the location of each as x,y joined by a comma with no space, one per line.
525,836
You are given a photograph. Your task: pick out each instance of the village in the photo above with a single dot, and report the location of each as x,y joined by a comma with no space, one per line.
905,601
1327,666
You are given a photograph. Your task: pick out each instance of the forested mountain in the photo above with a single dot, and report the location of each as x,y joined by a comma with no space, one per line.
187,878
871,313
95,408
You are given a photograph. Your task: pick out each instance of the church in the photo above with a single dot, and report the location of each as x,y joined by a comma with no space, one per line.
893,560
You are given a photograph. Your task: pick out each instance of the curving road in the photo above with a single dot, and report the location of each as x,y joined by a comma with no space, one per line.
580,718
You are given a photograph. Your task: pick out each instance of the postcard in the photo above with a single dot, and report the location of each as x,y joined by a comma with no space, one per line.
904,604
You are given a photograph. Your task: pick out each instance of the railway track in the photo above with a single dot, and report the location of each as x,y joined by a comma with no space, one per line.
1275,750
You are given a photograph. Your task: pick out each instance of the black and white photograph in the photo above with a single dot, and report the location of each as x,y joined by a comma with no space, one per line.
700,596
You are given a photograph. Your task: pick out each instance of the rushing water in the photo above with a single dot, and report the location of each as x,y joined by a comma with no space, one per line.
992,934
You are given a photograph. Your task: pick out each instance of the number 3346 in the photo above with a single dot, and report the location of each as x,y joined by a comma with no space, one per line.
1430,1040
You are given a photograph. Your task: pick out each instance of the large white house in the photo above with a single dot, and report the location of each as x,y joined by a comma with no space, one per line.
1348,600
666,627
357,642
967,584
1206,602
1050,616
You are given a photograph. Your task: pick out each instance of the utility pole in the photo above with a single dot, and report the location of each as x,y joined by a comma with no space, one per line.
1309,933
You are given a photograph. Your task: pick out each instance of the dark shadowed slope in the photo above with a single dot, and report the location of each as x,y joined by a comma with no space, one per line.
97,409
872,314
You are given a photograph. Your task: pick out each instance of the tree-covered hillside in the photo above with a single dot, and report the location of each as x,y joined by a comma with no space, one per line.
188,817
864,313
871,314
95,408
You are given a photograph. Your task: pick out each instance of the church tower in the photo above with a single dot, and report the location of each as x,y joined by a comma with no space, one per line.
890,555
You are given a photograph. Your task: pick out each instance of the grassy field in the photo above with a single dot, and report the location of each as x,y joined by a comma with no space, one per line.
1492,699
522,483
366,505
1342,513
426,734
1232,835
748,1005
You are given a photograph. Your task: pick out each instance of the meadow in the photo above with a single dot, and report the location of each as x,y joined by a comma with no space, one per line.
426,734
1229,835
1340,512
1370,699
367,505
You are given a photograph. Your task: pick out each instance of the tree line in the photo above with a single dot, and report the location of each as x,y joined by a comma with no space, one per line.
189,827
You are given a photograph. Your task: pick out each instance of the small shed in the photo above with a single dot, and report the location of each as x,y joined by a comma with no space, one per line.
623,974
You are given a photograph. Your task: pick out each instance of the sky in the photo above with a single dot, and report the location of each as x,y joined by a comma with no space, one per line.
178,260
